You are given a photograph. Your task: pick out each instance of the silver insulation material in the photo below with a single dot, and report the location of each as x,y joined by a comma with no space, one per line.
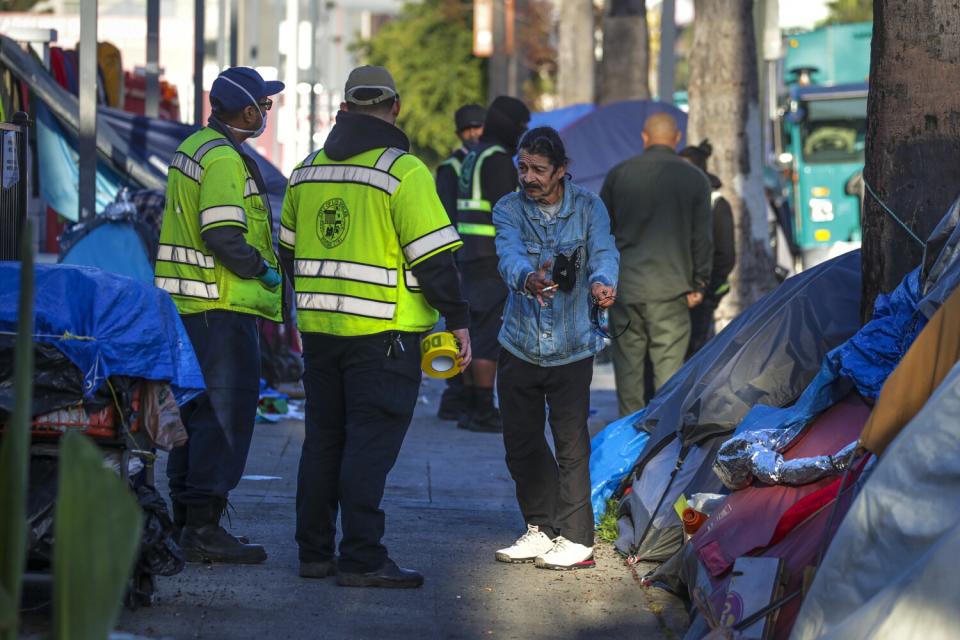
755,455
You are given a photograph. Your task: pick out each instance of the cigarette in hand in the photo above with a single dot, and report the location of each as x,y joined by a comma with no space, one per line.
550,288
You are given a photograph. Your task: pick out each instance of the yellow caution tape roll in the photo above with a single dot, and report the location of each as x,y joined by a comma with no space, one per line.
439,355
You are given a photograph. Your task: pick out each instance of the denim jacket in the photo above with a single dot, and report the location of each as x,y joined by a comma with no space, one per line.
560,332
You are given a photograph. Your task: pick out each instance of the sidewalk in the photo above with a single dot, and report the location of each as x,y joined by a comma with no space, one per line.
449,504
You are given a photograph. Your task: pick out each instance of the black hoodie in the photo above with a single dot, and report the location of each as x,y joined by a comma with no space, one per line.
354,134
724,247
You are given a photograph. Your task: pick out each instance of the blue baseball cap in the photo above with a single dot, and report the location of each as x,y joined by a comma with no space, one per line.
239,87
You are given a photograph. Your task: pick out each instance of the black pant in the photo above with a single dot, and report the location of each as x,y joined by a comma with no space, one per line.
554,494
220,421
360,401
701,324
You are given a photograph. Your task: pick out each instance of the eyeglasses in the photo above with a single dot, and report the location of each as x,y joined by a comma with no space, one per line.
600,320
266,105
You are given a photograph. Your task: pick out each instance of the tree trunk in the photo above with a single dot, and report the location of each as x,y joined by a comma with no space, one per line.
724,107
913,135
624,70
575,52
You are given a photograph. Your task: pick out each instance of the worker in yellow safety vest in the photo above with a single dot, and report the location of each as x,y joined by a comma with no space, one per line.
217,261
468,120
487,174
371,251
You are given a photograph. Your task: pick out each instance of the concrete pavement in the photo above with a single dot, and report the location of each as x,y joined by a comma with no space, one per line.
449,504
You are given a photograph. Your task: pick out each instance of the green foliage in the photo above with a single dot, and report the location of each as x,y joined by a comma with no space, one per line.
848,11
98,524
609,530
429,51
15,453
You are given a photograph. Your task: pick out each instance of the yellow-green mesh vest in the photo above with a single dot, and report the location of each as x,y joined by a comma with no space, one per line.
474,213
209,186
357,228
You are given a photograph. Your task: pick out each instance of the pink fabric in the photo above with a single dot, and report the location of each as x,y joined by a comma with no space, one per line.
748,519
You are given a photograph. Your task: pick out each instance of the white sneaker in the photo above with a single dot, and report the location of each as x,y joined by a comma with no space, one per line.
527,547
566,555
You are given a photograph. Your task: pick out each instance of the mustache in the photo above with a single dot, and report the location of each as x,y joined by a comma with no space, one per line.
529,185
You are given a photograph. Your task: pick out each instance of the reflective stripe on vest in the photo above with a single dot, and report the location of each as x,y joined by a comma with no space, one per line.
341,270
411,280
476,202
346,304
251,188
288,236
387,158
224,213
187,166
190,166
454,164
188,288
474,205
476,229
430,243
346,173
184,255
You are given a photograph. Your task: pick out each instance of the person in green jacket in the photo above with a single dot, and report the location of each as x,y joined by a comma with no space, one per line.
659,209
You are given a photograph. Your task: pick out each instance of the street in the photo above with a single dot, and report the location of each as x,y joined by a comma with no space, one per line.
450,505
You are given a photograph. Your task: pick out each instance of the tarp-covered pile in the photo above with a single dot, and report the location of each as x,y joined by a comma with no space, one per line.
106,325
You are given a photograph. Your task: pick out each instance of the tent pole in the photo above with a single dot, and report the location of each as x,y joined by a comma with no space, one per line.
198,51
668,57
87,139
152,98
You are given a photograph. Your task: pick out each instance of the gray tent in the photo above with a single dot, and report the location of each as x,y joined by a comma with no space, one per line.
768,355
891,570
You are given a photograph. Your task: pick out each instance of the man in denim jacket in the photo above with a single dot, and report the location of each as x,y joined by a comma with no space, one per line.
559,260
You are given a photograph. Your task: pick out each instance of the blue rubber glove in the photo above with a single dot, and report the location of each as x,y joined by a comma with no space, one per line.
270,278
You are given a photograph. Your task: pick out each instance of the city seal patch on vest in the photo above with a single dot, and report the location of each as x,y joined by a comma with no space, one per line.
333,222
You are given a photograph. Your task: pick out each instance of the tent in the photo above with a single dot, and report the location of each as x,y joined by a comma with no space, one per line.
560,118
861,363
599,138
604,138
768,354
796,523
890,570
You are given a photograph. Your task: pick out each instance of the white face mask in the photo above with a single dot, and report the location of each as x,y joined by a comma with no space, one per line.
254,133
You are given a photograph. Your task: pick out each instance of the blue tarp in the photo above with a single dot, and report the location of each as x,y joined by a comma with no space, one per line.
562,118
107,325
599,141
59,169
115,247
613,453
864,362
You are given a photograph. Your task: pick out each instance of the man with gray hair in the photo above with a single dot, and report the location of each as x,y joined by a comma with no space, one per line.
659,208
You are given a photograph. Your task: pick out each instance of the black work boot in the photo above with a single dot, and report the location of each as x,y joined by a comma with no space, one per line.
485,417
388,576
466,411
204,540
320,569
453,400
